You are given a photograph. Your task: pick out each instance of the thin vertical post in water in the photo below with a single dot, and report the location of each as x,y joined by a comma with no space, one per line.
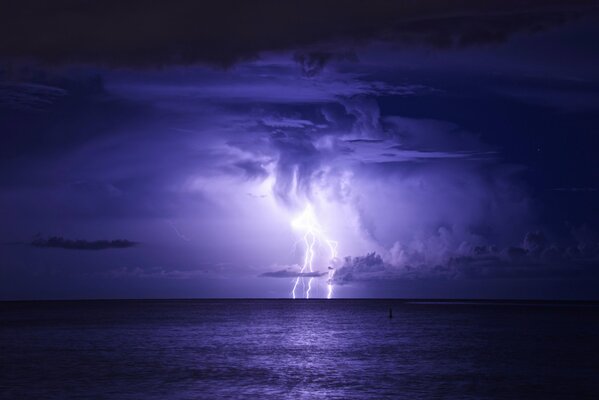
390,313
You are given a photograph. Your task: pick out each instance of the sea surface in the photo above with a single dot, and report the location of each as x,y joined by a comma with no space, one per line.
302,349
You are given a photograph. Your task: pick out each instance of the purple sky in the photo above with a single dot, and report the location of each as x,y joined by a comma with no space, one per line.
451,152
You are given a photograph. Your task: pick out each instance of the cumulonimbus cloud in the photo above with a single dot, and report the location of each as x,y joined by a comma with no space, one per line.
535,257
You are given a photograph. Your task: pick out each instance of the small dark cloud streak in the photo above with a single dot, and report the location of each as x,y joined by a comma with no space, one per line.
79,244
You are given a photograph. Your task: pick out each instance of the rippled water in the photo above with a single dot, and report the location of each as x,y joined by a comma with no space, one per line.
339,349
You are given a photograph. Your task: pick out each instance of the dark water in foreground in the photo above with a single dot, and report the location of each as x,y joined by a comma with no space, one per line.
339,349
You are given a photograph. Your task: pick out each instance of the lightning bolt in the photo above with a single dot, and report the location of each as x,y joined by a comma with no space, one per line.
333,248
313,234
182,236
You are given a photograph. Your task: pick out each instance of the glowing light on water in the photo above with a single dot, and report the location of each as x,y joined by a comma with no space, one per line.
313,234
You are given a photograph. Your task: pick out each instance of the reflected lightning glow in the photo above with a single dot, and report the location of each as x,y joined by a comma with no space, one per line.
312,235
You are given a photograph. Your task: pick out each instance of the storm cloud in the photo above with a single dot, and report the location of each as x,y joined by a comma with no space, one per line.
420,134
80,244
137,33
534,258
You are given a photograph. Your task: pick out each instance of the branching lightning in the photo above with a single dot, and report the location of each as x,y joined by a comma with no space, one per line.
312,235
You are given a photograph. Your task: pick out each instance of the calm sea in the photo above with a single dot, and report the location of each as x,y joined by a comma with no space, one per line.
303,349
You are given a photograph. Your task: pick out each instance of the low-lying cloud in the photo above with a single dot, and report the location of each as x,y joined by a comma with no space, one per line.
536,257
80,244
290,273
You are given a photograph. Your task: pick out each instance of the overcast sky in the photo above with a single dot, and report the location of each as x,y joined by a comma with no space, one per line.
449,148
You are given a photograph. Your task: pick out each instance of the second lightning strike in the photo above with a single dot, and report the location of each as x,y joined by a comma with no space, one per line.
313,234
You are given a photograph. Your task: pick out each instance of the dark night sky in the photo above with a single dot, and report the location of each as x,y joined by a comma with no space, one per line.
164,149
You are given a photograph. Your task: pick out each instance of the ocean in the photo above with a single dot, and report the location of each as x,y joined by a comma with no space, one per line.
298,349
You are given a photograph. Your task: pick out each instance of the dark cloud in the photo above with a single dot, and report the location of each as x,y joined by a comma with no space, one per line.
361,268
313,62
577,190
136,32
288,273
45,112
252,169
79,244
535,258
298,160
28,96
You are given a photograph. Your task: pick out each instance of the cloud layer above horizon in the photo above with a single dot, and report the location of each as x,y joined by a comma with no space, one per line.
425,147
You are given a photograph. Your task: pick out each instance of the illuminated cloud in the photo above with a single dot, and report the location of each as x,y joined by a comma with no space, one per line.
429,142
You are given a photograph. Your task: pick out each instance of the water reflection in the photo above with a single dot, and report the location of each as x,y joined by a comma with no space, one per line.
296,349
